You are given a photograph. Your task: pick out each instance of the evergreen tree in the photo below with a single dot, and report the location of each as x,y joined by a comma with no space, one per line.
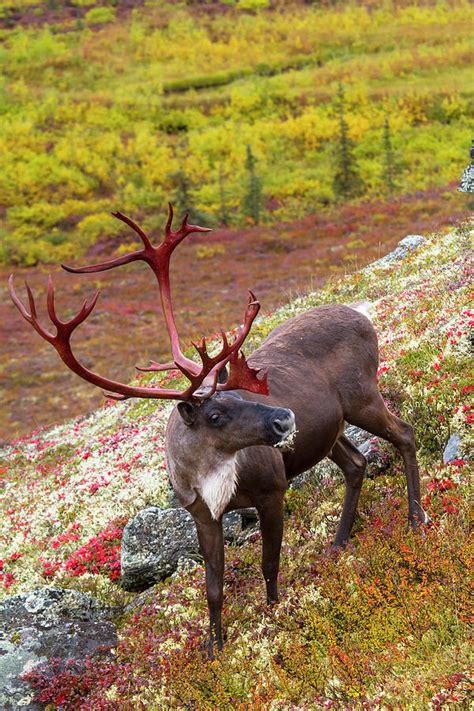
253,199
182,200
181,194
223,210
389,159
347,182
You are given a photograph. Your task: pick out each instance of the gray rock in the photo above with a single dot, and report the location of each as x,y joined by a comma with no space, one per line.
369,446
407,244
155,539
49,606
453,449
184,565
47,623
152,543
365,442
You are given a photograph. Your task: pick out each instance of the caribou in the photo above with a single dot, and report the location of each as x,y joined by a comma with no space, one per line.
244,428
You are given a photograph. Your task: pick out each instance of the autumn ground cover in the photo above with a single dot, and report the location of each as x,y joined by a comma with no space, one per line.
382,625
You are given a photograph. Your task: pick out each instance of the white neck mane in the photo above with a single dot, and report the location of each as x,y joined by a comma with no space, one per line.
217,486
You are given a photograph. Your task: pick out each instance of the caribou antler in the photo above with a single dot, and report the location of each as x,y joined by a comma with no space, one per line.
203,378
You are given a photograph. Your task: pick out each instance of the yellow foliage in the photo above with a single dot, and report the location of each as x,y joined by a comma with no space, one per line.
109,115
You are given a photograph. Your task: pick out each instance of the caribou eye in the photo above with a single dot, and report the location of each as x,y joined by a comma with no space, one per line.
215,418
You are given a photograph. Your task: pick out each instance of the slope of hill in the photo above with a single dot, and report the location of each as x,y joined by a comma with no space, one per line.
382,625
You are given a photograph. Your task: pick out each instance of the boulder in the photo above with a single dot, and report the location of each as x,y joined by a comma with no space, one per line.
406,245
45,624
156,539
366,443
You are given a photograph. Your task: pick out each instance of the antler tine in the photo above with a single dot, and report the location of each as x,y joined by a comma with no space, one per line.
86,310
32,317
156,367
80,317
141,254
173,238
169,221
136,228
200,347
50,305
184,222
252,298
18,303
225,342
224,352
103,266
31,301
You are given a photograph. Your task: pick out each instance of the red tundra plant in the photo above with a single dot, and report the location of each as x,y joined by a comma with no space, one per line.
100,555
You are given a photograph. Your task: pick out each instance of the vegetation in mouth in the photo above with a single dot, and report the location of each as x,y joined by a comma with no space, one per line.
288,441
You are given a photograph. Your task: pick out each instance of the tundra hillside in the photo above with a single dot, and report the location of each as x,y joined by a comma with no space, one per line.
383,624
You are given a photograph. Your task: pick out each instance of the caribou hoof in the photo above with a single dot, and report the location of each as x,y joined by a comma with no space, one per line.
213,645
419,520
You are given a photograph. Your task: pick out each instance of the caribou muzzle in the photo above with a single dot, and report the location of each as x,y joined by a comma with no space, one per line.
281,426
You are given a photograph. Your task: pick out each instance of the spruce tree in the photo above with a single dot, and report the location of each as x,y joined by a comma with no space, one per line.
182,200
347,182
223,210
181,194
389,159
252,204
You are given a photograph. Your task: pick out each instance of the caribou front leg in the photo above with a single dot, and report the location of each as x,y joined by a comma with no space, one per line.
270,512
211,543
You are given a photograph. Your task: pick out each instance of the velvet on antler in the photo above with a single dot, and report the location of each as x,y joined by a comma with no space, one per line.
204,377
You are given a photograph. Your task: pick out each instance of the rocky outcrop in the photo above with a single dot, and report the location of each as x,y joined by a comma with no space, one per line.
406,245
47,623
156,540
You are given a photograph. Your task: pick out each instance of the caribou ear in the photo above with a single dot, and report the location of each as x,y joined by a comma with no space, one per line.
188,412
223,375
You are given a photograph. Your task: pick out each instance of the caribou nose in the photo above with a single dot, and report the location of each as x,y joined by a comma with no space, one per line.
284,424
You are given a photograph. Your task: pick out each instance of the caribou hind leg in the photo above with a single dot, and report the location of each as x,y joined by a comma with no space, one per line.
374,417
353,464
